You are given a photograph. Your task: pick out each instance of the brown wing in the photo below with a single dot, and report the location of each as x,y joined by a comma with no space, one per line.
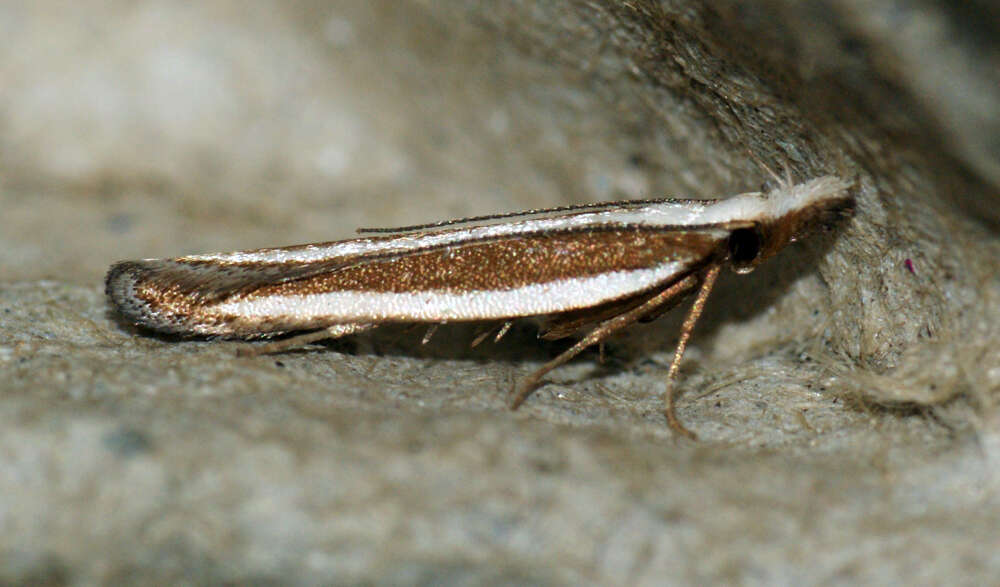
179,295
510,262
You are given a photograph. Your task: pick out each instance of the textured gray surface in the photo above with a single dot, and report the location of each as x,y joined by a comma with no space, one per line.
846,402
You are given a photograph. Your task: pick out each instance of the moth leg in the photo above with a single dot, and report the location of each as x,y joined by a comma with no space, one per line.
693,314
501,330
485,333
601,332
481,337
334,331
430,333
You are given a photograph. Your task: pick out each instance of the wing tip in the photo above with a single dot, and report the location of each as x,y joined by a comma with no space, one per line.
123,284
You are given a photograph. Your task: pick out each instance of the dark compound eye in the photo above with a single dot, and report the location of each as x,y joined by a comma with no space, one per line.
744,246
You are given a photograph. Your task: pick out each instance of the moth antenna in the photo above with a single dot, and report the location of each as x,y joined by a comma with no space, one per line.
781,182
774,176
788,174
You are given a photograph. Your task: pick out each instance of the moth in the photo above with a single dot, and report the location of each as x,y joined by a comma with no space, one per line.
594,268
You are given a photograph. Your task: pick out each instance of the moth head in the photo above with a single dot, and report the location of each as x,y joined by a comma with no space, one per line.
787,215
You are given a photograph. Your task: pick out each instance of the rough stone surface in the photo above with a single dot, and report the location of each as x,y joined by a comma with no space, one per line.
845,392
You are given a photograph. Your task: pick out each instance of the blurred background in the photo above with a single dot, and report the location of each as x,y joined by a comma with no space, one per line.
845,392
160,128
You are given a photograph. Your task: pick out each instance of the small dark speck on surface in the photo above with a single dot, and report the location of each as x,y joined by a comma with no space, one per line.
127,442
120,223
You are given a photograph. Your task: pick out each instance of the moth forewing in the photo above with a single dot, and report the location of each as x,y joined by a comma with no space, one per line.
475,279
609,265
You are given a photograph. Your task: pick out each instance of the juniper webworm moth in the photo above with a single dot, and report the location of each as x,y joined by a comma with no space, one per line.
595,268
